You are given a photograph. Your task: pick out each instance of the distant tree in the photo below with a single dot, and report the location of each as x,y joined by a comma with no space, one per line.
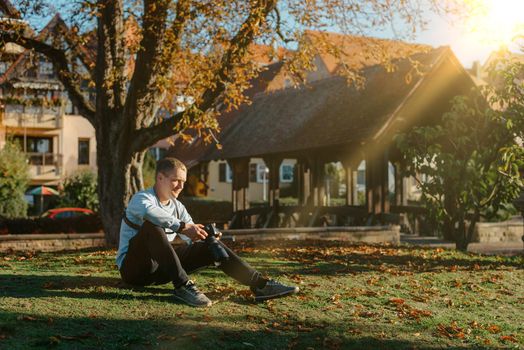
148,170
470,160
14,178
80,190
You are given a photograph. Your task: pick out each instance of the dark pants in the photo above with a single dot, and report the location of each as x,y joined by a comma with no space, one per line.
151,259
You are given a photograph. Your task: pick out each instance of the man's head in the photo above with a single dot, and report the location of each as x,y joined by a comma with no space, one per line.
171,174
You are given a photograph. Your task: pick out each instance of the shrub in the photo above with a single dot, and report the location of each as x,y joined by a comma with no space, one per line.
14,177
80,190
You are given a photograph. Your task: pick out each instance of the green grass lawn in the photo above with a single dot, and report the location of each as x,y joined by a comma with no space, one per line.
352,297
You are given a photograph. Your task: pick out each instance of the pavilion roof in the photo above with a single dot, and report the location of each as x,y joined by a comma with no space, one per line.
325,113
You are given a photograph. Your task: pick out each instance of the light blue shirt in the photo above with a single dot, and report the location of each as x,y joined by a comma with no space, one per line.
144,205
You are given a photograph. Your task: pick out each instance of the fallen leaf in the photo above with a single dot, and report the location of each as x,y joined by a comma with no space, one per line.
397,301
510,338
366,314
493,329
166,337
27,318
48,285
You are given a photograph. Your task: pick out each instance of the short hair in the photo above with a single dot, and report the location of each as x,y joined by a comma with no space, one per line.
166,165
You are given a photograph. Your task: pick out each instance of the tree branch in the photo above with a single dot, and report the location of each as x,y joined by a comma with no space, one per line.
153,59
110,60
278,29
61,65
237,50
146,137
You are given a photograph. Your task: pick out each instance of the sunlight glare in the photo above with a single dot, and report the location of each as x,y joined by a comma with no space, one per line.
496,21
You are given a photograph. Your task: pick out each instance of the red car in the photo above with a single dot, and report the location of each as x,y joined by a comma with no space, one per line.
62,213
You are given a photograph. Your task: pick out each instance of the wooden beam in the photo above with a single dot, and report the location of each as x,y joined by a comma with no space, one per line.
273,163
240,169
377,183
351,167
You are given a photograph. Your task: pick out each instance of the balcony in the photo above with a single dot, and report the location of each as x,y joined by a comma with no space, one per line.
44,167
41,117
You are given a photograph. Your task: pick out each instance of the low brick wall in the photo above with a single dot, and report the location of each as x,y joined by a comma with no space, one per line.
372,234
51,242
493,232
71,241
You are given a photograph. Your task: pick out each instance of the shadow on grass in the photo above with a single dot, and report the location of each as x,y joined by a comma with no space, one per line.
30,286
103,288
20,331
335,257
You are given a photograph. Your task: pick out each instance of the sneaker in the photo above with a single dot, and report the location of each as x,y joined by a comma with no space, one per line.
273,289
190,295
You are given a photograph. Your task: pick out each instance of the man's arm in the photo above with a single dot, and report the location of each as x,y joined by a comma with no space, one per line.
192,230
143,206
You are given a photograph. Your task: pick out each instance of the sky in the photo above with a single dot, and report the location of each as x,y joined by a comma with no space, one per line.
490,24
467,43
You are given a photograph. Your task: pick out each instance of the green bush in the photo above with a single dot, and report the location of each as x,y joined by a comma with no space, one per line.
80,190
14,177
148,170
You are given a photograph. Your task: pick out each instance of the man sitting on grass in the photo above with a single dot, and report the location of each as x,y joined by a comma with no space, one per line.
152,220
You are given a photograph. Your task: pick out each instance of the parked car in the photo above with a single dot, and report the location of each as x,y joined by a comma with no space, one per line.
62,213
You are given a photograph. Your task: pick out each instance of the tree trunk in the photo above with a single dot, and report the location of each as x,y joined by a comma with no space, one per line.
465,235
450,206
117,171
136,180
461,242
448,230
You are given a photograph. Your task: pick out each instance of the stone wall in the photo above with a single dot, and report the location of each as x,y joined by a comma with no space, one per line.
62,241
51,242
371,234
492,232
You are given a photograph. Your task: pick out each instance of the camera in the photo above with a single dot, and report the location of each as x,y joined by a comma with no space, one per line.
217,250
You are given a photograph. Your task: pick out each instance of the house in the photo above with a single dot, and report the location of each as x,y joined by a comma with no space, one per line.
36,111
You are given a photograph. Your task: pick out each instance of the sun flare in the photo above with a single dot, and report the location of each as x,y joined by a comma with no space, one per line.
495,21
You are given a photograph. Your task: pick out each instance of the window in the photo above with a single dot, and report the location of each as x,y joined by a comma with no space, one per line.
361,177
35,144
224,173
39,149
262,173
286,173
83,152
46,68
157,152
253,172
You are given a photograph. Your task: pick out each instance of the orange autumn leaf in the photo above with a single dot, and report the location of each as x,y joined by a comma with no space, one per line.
509,338
397,301
493,329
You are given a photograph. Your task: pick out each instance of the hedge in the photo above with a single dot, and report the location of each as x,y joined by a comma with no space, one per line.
81,224
201,210
205,211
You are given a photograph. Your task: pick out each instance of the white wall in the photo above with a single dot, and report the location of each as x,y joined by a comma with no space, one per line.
75,128
222,190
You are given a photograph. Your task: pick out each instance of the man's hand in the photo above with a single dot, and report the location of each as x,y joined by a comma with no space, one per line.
194,231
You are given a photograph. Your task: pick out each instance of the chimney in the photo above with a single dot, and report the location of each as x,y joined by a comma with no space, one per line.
476,69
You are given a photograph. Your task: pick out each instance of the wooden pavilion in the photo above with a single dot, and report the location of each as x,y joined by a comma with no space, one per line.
330,120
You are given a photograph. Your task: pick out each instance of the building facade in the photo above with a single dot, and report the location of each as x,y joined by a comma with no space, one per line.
36,113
